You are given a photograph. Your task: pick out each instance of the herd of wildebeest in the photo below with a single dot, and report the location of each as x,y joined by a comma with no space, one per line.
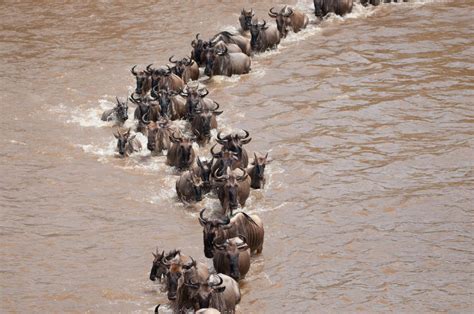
166,94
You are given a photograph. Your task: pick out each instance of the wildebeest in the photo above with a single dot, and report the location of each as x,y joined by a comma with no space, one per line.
199,47
223,62
208,311
245,20
160,265
181,268
126,144
229,38
251,227
289,18
191,272
339,7
234,143
159,136
119,113
181,154
232,190
232,257
205,119
219,291
189,187
263,37
195,97
172,105
257,172
187,69
203,170
165,79
143,109
143,80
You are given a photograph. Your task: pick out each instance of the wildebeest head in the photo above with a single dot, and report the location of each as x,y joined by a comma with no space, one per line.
245,19
230,186
141,77
122,140
259,165
202,122
225,158
231,249
158,269
180,65
202,293
193,95
283,19
197,185
256,30
157,75
142,105
234,142
154,130
175,266
211,230
205,171
199,46
122,110
184,151
164,99
212,57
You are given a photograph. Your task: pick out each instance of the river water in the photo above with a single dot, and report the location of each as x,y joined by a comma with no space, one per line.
368,119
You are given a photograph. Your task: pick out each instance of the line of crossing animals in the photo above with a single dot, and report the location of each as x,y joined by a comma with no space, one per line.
166,94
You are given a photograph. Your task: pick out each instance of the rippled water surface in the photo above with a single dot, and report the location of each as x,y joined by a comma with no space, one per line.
368,119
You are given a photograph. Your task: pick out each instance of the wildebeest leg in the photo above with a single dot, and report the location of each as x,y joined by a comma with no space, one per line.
260,249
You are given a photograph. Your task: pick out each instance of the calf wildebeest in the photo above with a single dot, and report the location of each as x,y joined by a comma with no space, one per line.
205,119
189,187
222,294
263,37
199,46
245,20
172,105
289,18
126,144
232,257
339,7
143,80
229,38
181,154
187,69
223,62
203,170
119,113
165,79
257,172
234,143
232,190
158,136
251,227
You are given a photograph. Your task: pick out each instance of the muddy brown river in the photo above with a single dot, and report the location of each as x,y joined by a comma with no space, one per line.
368,119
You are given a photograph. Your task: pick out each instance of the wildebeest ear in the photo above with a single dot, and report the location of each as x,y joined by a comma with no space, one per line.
117,136
218,112
219,289
154,255
132,137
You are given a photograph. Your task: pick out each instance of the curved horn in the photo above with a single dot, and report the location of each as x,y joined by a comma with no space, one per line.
243,176
219,283
218,246
144,120
247,134
271,13
224,222
201,216
219,178
170,59
290,12
168,72
217,106
190,265
197,36
217,155
204,94
243,238
133,70
148,68
219,136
